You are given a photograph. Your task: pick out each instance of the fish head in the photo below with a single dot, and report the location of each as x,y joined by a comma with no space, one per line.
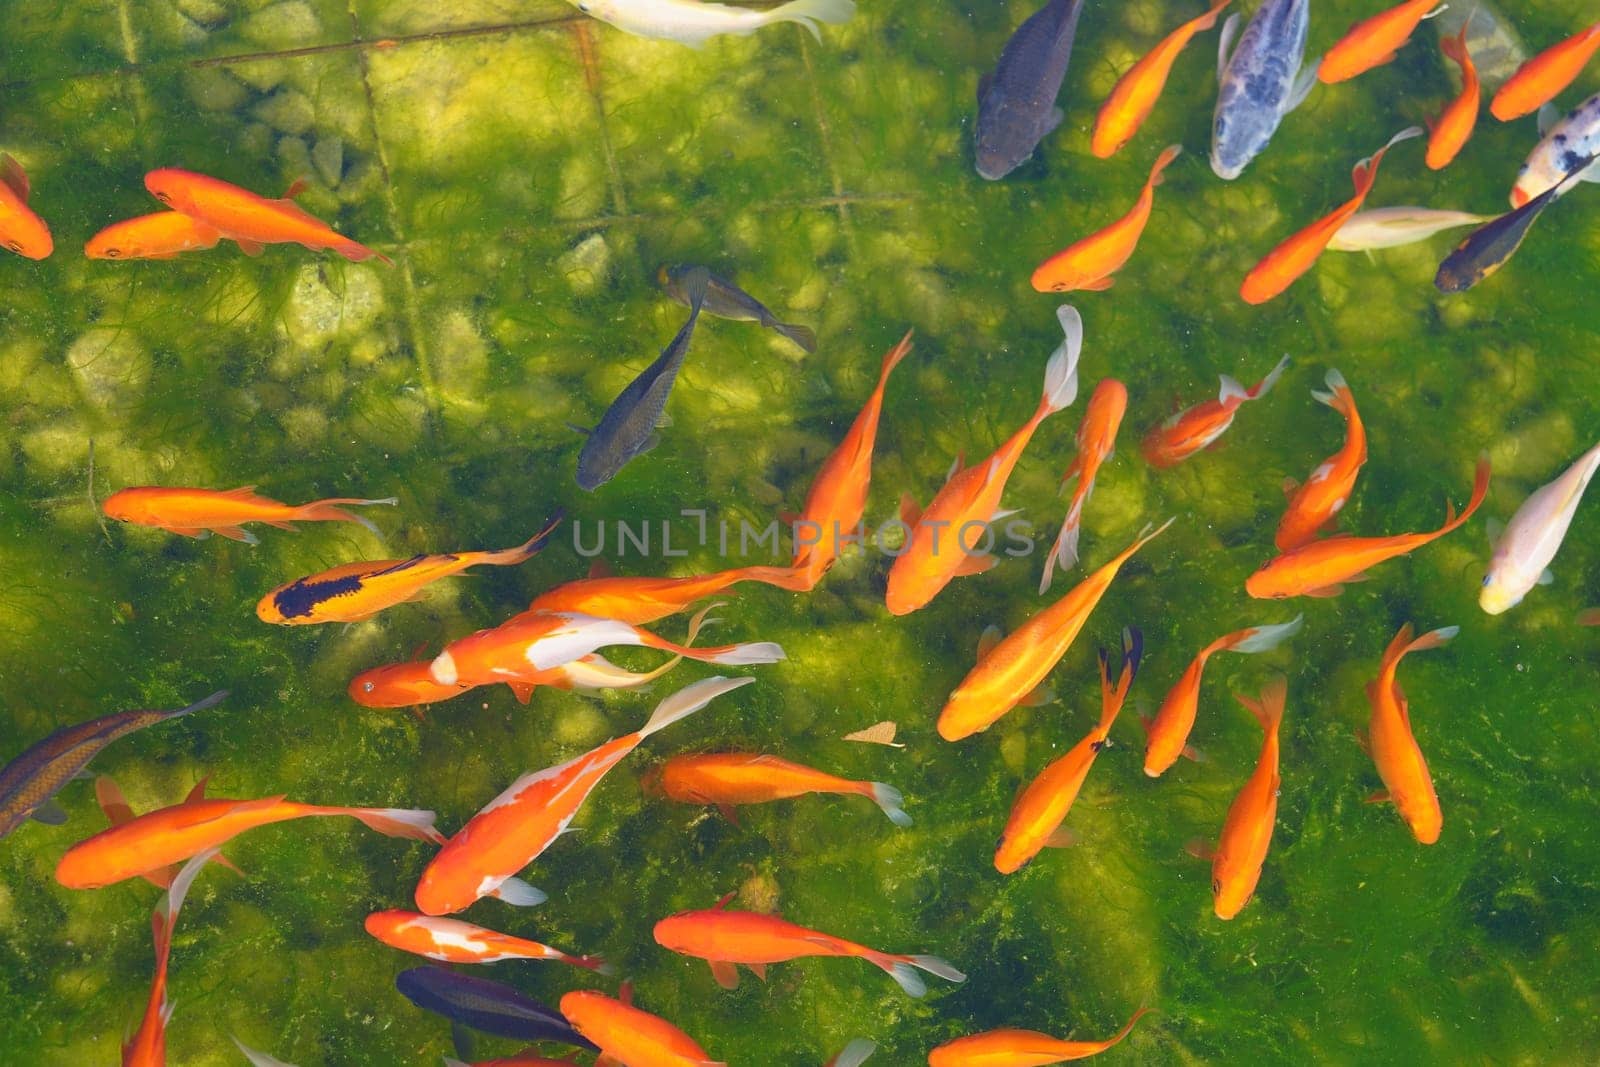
173,187
997,148
1499,594
26,234
123,506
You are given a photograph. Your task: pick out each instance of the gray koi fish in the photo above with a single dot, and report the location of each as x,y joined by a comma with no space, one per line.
1259,83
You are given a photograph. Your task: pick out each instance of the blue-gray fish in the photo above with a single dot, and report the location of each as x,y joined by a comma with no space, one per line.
628,428
1017,103
1259,83
29,782
727,301
488,1006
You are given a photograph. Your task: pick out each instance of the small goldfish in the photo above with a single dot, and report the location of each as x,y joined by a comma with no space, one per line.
938,549
646,599
1449,133
1168,733
1538,80
725,939
148,1046
838,496
630,1037
1394,750
1041,808
199,512
162,235
1090,262
1198,427
1373,42
1136,92
517,826
1247,832
729,778
22,231
1006,673
1296,254
1097,442
453,941
253,221
1021,1048
352,592
1321,567
1522,553
526,646
1316,504
169,835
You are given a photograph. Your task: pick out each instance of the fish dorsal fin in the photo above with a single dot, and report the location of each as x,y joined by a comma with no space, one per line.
726,899
600,569
296,187
49,813
12,174
990,637
249,247
198,793
240,493
294,210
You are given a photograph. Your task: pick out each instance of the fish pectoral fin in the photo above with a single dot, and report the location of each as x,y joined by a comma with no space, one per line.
1230,29
990,637
1200,849
1360,576
1326,591
728,813
296,187
758,969
664,420
1194,755
1051,121
910,510
1289,486
1546,577
726,974
49,813
1380,796
1547,117
1038,697
984,82
584,430
249,247
226,862
1061,837
1304,82
976,563
1099,285
12,174
1361,736
650,443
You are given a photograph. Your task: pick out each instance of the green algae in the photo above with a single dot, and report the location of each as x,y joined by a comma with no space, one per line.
529,171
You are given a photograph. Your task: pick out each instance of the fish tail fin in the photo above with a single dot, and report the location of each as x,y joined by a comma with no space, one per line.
1264,386
1261,638
1480,488
855,1053
804,336
1397,646
793,579
529,548
810,12
596,964
1431,639
1268,708
165,915
356,252
1366,171
1164,160
201,705
1061,373
1209,19
903,969
330,510
744,655
1456,47
1338,397
1146,535
1128,1026
688,700
892,358
394,822
1112,697
889,799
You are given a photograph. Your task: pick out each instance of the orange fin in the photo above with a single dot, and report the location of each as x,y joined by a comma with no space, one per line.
1038,697
198,792
976,563
1099,285
1200,849
1061,837
12,174
1380,796
1326,591
234,533
990,637
728,813
759,970
296,187
910,510
726,974
249,247
600,569
1194,755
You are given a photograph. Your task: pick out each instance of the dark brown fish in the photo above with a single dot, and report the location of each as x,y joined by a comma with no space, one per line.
1487,248
28,782
727,301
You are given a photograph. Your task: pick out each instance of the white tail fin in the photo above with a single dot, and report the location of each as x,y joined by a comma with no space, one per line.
900,969
518,894
889,799
1266,638
261,1059
1061,373
854,1054
181,883
810,12
1065,551
1335,382
1264,386
688,700
396,822
738,655
1232,391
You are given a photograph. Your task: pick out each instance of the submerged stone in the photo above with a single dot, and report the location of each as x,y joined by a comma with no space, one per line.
111,366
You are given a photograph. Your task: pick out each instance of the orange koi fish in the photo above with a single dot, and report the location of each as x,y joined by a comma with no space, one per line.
1168,734
1041,808
1091,262
118,811
939,548
517,826
837,499
725,939
1538,80
1198,427
20,229
1021,1048
162,235
351,592
155,839
453,941
1247,831
1006,673
525,646
148,1046
1394,749
1136,92
1373,42
1321,568
1295,255
253,221
200,512
646,599
1097,442
729,778
629,1037
1316,504
1449,133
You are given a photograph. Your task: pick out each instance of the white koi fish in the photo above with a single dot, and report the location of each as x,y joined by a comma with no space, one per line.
1530,541
1391,227
692,23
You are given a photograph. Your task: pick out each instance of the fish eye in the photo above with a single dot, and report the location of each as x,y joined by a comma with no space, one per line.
1486,581
15,246
583,7
367,687
164,198
113,253
1216,886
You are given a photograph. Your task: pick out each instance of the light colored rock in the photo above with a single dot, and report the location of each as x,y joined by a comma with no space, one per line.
283,25
316,312
587,267
110,365
213,89
328,156
210,14
287,110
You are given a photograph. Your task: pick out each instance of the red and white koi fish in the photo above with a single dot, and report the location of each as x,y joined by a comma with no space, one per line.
1316,504
1097,442
725,939
517,826
1247,832
1198,427
1168,733
453,941
1394,749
